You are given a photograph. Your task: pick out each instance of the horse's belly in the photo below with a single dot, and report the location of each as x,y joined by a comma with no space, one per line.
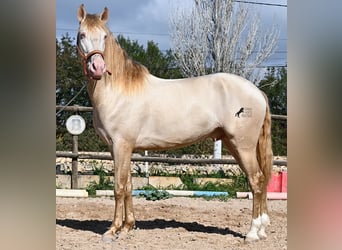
171,132
157,142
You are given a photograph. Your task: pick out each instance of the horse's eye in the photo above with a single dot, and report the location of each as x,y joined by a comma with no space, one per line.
105,37
82,35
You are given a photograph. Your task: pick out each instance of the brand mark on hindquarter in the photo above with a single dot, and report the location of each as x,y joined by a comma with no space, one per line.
244,112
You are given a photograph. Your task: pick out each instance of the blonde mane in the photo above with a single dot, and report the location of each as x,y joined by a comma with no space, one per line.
127,75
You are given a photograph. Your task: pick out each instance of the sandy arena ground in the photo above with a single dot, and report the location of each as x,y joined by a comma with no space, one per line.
176,223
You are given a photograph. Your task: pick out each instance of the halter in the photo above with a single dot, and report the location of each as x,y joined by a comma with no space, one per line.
85,59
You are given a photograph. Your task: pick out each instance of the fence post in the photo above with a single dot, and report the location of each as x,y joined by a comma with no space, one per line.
146,165
74,170
75,125
218,149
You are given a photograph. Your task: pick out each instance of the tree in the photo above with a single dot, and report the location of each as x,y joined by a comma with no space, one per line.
220,36
275,87
214,36
69,79
158,63
70,90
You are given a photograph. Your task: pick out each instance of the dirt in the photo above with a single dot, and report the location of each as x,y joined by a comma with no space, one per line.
176,223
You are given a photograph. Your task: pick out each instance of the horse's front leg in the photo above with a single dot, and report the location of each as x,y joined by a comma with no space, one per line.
129,212
122,152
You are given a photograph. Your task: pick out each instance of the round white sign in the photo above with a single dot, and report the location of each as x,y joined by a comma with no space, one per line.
75,124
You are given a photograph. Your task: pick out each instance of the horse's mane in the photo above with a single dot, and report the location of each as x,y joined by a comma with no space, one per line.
126,74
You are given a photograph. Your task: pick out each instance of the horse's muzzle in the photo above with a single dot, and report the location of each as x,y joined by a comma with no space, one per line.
96,66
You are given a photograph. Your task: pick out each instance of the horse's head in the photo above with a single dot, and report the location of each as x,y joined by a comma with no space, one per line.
91,37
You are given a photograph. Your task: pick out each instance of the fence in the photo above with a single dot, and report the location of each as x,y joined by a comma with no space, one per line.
75,155
155,159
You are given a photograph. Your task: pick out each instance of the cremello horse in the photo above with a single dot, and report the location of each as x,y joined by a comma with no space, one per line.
136,110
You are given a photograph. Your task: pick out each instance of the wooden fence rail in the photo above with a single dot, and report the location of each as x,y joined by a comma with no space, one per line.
156,159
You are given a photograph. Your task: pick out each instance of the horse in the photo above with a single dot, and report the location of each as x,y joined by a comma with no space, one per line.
237,114
134,110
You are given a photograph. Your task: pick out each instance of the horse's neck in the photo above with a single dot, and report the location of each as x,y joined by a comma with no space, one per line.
96,90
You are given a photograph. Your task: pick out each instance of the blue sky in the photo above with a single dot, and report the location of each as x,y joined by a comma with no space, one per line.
149,20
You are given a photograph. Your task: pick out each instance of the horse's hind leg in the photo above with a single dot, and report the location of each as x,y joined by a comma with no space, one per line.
265,220
256,181
246,157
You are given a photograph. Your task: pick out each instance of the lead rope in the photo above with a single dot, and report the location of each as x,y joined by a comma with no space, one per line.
72,99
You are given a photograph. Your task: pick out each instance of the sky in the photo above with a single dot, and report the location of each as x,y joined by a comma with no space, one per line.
149,20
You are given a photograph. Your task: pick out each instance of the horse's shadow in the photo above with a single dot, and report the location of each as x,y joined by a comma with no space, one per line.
101,226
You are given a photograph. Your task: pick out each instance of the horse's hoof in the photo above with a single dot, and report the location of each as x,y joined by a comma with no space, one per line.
127,228
262,235
251,238
109,236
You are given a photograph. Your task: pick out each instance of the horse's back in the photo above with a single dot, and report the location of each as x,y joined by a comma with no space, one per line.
229,84
222,93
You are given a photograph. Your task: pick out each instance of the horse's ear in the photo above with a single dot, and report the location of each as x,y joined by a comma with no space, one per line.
81,13
104,15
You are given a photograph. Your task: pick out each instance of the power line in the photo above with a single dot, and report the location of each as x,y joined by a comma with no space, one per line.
260,3
123,32
272,66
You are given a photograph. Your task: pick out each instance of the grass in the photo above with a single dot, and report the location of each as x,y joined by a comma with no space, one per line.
217,197
104,182
239,184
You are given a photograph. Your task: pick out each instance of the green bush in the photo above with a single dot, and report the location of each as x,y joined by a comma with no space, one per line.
239,184
154,195
104,182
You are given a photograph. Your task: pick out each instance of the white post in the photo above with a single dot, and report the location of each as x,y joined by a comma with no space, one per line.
146,164
217,149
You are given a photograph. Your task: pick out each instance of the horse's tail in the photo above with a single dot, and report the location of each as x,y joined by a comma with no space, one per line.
264,147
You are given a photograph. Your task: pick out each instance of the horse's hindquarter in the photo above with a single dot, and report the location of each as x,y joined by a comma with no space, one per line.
179,112
244,113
